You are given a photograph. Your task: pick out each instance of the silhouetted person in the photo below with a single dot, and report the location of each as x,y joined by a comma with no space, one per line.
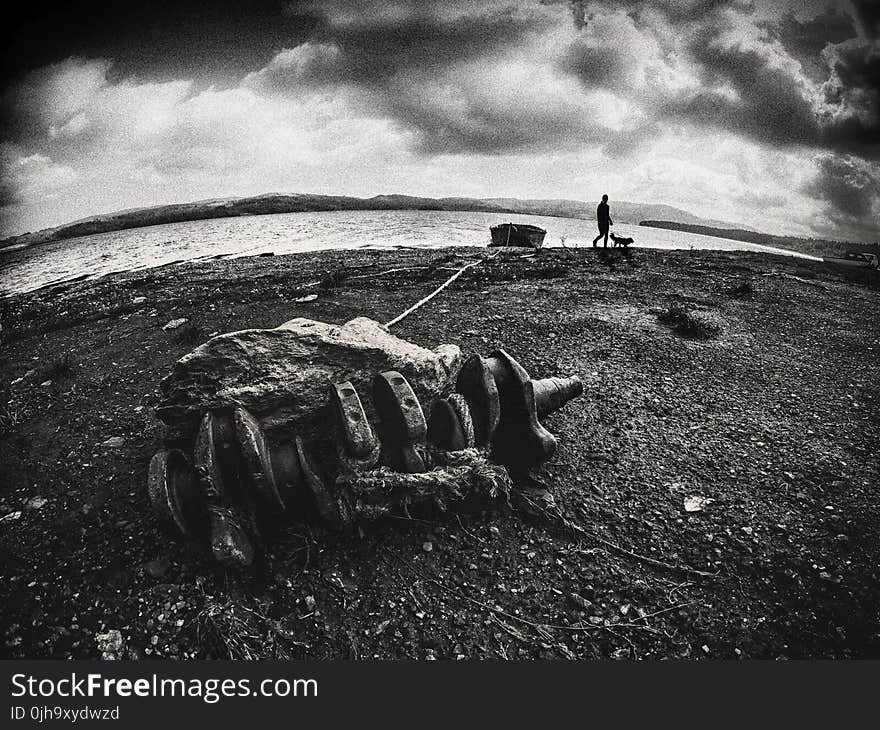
603,219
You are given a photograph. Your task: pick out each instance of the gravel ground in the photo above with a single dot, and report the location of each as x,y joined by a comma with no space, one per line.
720,469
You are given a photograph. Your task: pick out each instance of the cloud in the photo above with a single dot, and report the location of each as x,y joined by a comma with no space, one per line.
87,142
806,39
850,110
867,15
850,189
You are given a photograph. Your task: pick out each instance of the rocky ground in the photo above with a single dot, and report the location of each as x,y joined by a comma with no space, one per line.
720,469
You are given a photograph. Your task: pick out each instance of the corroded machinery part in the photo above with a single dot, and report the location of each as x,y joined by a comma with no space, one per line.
358,448
174,492
256,462
459,405
236,470
476,384
230,544
403,423
520,440
444,427
331,502
288,473
553,393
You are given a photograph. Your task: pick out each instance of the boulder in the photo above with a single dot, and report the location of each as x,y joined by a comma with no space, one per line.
282,375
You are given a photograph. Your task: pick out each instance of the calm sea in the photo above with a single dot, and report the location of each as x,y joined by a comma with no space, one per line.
90,257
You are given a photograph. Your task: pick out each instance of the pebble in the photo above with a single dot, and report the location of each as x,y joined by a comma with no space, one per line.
114,442
427,546
37,502
109,642
174,324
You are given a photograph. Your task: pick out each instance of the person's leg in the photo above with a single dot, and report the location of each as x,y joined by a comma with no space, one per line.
605,245
596,239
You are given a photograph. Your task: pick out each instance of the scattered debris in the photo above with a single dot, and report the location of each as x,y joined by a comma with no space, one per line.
110,644
174,324
696,503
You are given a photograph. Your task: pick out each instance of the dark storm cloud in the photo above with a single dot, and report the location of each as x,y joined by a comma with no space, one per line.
748,88
850,190
437,67
806,39
851,115
210,42
784,82
867,14
429,66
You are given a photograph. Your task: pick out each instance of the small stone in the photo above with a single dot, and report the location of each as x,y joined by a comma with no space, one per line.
45,383
306,298
114,442
427,546
109,643
37,502
11,516
310,603
382,626
696,503
138,300
174,324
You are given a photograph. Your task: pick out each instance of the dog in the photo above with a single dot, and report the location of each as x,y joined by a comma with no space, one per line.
620,241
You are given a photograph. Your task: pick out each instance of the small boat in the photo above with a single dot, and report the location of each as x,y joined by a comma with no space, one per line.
517,234
855,258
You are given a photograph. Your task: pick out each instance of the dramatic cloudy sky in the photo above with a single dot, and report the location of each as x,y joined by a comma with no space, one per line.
765,113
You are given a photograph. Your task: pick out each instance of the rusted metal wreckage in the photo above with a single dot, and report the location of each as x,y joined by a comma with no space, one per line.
481,432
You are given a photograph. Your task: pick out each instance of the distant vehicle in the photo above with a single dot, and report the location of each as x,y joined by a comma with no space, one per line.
855,258
519,234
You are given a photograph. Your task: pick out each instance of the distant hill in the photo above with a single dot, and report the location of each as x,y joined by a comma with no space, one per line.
812,246
622,212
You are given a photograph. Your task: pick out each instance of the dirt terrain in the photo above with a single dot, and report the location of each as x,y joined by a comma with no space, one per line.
744,386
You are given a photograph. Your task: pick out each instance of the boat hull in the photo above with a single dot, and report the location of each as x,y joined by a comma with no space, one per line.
517,234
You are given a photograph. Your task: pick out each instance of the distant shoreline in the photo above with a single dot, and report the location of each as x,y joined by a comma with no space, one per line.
812,246
275,203
642,214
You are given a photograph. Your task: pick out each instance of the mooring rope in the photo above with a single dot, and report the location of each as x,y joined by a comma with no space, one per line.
439,289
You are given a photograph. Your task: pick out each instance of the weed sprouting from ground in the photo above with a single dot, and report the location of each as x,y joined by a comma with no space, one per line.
690,323
231,630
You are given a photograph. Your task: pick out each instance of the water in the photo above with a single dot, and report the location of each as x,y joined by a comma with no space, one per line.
88,257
